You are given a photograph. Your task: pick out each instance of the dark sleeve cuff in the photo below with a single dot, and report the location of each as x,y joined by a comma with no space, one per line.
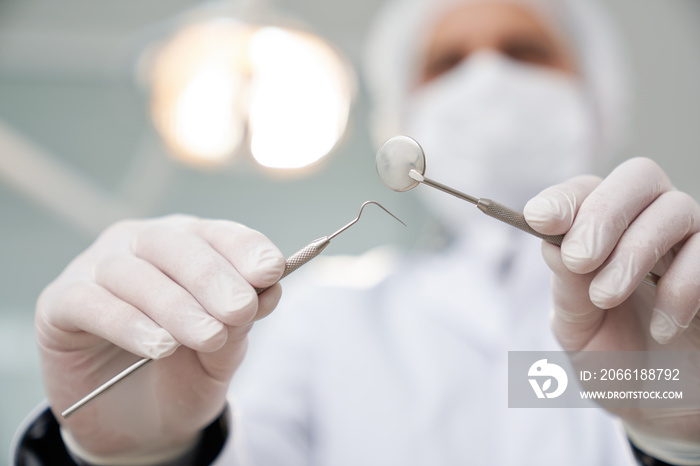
645,460
41,444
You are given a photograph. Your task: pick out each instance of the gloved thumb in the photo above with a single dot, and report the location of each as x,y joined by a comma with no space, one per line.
552,211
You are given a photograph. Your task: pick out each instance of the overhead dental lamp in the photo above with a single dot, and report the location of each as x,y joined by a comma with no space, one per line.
221,86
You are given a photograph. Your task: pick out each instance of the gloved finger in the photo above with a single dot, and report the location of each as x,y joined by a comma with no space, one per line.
190,261
254,256
552,211
670,219
142,285
678,293
268,300
575,320
607,212
87,307
222,364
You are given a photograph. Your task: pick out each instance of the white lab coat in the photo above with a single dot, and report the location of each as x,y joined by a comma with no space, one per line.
404,362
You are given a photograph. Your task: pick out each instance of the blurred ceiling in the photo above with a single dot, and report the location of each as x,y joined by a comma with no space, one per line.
84,39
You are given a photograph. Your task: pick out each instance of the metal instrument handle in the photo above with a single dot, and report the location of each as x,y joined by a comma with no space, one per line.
295,261
516,219
301,257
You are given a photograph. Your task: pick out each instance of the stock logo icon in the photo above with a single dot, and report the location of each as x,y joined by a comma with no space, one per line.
541,375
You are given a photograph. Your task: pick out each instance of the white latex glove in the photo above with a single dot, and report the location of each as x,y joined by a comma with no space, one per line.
140,289
617,230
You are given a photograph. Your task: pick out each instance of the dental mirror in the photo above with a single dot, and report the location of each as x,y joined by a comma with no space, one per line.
401,167
395,160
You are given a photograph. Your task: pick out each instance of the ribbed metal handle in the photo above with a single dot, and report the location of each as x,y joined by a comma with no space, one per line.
514,218
301,257
292,263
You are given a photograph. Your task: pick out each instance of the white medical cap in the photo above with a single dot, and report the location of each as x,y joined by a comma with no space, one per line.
398,34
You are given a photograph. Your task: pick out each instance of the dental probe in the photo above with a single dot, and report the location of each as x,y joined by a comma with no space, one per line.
292,263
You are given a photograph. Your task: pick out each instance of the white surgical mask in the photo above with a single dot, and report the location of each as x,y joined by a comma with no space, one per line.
499,129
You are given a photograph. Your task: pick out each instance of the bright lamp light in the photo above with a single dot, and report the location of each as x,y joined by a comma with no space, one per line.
220,85
299,99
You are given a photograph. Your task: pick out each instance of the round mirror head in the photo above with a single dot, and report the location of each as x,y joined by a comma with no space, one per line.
396,158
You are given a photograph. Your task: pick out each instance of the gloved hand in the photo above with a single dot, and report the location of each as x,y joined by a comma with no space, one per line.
617,230
141,289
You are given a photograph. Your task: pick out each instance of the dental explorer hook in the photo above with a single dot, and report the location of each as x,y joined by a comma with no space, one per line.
295,261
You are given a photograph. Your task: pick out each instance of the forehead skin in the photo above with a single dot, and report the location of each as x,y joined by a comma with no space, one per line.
509,28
